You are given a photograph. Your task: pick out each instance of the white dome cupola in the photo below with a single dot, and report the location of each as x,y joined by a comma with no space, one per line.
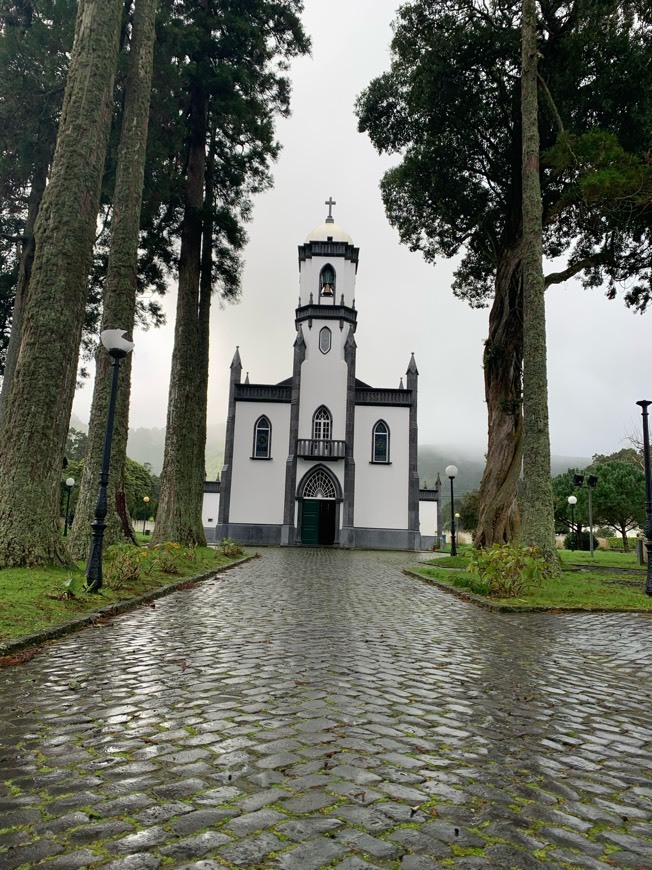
328,263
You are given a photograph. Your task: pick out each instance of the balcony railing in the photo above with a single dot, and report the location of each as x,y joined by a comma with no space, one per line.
315,448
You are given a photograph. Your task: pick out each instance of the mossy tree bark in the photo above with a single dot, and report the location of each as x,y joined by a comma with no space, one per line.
498,515
537,528
120,293
179,511
37,189
498,518
39,402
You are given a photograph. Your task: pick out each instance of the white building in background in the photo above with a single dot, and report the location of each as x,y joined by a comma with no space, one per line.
321,458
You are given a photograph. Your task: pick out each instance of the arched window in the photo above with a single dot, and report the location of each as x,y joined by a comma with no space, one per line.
325,339
262,438
327,281
319,485
322,424
380,442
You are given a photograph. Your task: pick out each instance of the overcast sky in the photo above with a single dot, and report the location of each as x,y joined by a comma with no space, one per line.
599,352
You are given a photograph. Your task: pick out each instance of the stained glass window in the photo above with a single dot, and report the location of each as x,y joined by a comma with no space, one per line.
380,438
262,438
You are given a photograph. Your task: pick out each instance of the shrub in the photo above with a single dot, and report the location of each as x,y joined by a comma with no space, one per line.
615,544
570,541
167,557
123,564
509,570
231,549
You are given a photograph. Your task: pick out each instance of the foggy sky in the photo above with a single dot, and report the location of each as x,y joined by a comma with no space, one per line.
599,352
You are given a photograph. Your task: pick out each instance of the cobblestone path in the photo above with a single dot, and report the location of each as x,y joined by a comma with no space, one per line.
317,708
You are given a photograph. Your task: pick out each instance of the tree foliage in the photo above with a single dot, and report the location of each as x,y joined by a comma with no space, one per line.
35,423
120,292
228,142
76,443
449,108
618,498
468,511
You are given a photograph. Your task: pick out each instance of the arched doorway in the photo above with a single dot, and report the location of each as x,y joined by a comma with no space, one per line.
319,500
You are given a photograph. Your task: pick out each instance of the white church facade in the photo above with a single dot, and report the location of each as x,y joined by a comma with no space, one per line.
321,459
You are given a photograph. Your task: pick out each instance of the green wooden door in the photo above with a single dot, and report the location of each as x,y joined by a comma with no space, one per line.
310,523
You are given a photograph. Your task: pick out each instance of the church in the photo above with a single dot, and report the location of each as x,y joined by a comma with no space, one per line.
321,458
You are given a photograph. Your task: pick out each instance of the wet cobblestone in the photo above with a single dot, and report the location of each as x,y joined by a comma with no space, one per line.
318,709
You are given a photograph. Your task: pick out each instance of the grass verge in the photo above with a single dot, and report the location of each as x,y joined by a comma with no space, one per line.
36,599
576,588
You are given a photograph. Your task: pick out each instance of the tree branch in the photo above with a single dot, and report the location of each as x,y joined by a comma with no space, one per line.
551,103
575,268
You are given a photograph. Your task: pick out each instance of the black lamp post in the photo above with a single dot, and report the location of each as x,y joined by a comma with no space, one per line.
70,482
451,474
592,482
572,501
648,494
118,348
146,501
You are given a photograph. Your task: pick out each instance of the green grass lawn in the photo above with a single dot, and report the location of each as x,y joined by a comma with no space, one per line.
575,588
34,599
600,558
606,558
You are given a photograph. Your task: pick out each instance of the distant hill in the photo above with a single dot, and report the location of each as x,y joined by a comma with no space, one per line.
146,445
433,460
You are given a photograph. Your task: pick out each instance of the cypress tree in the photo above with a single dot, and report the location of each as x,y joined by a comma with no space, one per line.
33,432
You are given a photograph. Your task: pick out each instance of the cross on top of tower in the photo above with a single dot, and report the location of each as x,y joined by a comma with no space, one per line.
330,202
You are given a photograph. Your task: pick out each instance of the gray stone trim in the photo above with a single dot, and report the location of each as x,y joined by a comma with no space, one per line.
262,393
413,439
312,312
227,468
385,539
250,534
383,397
428,495
349,462
288,535
329,249
212,486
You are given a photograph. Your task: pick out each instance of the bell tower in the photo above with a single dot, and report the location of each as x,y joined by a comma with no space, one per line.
328,263
323,402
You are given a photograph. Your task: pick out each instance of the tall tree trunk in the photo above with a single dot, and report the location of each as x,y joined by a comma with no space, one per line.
203,347
498,519
39,180
33,434
120,293
179,511
538,524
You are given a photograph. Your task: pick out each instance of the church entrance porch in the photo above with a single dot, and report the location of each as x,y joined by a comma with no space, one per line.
318,520
320,495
